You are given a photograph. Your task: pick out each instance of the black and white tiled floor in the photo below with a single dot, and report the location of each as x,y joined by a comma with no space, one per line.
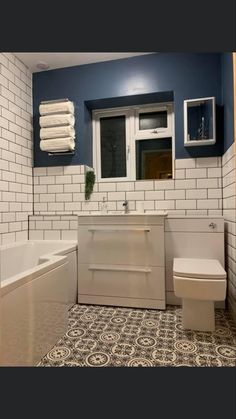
100,336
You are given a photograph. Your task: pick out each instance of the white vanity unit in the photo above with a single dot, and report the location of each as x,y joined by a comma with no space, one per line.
121,260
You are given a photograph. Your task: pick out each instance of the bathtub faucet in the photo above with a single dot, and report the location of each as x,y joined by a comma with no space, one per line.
126,206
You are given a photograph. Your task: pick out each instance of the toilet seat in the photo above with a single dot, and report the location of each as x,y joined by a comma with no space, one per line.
198,268
201,279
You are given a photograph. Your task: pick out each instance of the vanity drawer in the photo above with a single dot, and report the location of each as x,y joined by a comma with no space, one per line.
122,281
119,244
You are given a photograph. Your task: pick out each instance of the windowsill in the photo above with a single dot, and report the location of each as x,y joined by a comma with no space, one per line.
194,143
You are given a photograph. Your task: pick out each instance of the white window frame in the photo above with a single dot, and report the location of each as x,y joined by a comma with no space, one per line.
161,132
97,115
131,114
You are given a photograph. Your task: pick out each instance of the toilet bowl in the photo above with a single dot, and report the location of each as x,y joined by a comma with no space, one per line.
199,282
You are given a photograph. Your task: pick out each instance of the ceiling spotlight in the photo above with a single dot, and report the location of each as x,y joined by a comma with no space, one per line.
41,65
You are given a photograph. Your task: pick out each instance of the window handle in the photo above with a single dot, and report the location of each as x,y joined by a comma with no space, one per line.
127,152
155,131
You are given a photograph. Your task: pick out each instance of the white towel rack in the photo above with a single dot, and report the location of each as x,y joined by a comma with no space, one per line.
58,153
62,153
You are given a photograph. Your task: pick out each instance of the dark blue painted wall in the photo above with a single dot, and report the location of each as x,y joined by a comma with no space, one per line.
227,98
186,75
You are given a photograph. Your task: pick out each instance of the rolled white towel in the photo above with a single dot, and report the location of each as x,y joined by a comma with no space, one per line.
57,144
55,120
57,132
57,107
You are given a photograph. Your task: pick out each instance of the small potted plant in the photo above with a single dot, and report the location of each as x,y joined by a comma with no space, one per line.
89,183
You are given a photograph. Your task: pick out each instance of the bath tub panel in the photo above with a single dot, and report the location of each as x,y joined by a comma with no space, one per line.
72,276
33,317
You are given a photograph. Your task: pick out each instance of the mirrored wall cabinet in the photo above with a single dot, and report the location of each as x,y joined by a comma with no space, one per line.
199,121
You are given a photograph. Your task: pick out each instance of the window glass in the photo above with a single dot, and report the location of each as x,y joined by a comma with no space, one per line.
113,146
152,120
154,159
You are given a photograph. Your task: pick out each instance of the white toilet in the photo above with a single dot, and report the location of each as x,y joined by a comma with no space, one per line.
199,282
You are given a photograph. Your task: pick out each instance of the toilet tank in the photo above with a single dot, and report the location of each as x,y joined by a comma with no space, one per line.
200,237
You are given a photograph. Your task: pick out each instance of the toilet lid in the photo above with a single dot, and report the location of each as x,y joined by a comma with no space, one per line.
198,268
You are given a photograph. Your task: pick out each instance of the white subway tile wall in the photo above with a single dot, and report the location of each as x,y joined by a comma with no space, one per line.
59,194
16,189
53,227
60,190
229,213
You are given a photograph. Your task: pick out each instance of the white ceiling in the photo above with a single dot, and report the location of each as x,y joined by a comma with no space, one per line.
68,59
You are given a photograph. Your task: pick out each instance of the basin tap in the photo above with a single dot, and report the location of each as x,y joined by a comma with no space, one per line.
126,206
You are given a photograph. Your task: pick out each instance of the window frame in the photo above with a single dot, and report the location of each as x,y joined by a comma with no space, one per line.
159,132
131,114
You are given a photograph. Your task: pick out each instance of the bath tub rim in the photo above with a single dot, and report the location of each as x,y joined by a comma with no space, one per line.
52,260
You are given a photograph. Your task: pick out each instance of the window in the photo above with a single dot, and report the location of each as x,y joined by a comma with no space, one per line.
153,121
113,147
133,143
154,159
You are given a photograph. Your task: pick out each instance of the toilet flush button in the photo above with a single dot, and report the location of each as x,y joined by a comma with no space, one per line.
212,225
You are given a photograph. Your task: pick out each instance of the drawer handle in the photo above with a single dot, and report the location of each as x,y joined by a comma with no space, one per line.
118,268
119,230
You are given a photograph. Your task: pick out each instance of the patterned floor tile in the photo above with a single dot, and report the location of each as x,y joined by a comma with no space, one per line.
101,336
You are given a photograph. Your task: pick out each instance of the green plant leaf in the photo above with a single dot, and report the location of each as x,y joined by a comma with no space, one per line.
89,183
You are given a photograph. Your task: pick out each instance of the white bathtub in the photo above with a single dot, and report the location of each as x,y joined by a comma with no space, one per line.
38,285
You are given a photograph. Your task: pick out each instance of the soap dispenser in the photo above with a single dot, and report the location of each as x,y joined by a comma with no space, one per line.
104,206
